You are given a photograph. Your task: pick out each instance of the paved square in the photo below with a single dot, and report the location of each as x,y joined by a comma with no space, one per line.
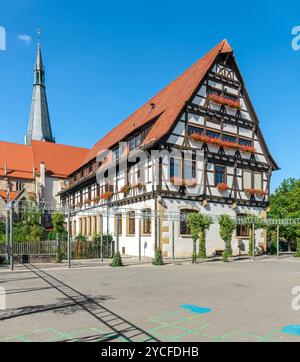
243,301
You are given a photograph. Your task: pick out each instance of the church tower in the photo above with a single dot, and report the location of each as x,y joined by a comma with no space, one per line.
39,126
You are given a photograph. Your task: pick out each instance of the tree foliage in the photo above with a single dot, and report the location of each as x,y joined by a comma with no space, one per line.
199,224
227,227
29,228
285,203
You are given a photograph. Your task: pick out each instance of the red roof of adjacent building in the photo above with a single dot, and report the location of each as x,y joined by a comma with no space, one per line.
165,106
60,160
21,161
16,160
12,194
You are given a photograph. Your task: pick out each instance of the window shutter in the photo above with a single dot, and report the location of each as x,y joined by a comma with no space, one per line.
247,179
257,181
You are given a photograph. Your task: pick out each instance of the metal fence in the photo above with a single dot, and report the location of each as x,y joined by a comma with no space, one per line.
79,249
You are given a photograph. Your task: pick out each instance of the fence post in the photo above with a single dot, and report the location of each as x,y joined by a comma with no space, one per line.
253,241
173,240
107,231
101,237
140,239
277,241
11,241
69,242
118,231
7,236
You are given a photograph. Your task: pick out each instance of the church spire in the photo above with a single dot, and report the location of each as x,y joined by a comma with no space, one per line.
39,126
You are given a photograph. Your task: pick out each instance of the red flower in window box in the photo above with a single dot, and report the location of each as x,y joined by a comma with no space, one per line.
222,187
255,192
218,142
107,195
224,100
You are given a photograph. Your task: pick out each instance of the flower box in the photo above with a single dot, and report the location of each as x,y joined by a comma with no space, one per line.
178,181
125,189
224,101
220,143
107,195
255,192
222,187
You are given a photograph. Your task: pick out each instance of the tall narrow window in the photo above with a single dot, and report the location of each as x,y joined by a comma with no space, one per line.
131,223
184,227
257,181
147,222
118,224
247,182
193,129
189,169
220,174
212,134
228,138
242,230
175,167
244,142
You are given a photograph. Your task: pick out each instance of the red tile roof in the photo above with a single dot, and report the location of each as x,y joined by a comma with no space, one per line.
60,160
168,103
12,195
22,160
18,159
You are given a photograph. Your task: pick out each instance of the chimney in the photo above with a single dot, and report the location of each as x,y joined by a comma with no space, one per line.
5,169
42,174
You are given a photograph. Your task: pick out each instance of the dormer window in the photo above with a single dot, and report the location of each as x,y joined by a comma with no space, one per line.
134,142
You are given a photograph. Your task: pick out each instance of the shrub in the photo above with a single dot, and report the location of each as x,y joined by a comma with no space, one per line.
273,246
158,260
117,260
298,248
199,224
227,227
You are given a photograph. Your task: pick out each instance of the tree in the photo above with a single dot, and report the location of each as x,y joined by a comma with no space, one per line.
273,246
199,224
58,222
227,227
258,223
298,248
29,228
285,203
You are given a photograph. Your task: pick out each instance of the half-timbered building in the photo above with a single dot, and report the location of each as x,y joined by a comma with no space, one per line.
206,114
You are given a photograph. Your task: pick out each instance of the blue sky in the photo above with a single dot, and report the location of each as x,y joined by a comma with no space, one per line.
104,59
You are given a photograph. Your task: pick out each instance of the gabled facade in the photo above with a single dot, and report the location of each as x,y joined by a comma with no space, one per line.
213,159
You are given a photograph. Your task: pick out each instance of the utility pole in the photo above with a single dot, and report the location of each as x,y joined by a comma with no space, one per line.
11,242
69,240
101,237
7,235
253,241
278,241
140,239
